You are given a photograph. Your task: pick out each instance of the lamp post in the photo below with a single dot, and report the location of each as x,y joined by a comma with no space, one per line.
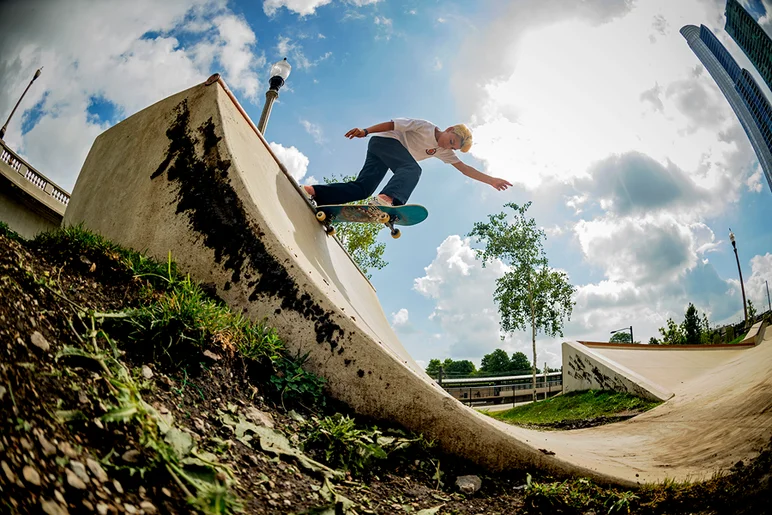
626,329
742,286
5,127
279,73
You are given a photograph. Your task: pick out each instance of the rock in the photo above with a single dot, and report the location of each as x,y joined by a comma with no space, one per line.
258,417
468,484
31,475
52,507
60,497
118,487
148,507
48,447
146,372
80,471
8,472
2,392
166,492
131,456
130,508
82,397
212,355
101,508
66,449
97,470
142,492
74,481
88,505
39,341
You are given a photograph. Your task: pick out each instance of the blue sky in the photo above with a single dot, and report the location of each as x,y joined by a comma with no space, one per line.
597,111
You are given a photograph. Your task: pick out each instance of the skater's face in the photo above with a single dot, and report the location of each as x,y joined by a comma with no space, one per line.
449,139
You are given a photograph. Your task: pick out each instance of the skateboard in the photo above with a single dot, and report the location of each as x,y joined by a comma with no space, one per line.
409,214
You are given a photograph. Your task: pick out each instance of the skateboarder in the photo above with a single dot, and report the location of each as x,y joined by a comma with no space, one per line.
398,145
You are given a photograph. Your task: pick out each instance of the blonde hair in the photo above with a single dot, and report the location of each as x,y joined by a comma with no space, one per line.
465,135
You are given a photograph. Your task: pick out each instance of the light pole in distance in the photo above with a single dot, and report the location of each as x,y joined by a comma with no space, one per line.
279,73
742,286
626,329
5,127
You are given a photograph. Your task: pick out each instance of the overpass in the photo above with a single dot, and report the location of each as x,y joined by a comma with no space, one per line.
192,175
29,201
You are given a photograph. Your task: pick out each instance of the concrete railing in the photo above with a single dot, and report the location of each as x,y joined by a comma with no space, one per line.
31,175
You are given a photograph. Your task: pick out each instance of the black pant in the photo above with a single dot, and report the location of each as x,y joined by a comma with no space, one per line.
382,154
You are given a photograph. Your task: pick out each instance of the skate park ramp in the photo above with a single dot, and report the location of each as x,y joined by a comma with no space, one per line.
192,176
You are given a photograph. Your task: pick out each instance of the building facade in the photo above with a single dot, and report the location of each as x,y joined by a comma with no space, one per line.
740,89
756,44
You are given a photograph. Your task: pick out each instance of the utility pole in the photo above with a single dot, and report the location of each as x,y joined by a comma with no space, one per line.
769,302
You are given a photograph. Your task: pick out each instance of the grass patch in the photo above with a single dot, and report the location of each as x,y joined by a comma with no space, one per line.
574,406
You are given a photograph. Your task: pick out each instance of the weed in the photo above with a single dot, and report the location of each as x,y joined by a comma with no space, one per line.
10,233
295,384
576,496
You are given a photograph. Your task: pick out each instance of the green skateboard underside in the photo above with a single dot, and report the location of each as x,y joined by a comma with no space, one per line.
409,214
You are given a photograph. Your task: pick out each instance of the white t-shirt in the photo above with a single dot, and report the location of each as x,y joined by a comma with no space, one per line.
417,136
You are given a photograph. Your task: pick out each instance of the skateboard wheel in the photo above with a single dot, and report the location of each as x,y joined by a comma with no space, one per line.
396,233
330,230
383,217
321,216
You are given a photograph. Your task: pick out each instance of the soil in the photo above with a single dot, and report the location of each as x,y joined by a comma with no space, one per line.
58,455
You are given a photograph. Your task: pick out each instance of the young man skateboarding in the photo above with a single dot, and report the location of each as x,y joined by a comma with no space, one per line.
399,145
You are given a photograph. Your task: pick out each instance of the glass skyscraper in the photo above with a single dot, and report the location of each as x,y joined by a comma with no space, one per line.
756,44
743,93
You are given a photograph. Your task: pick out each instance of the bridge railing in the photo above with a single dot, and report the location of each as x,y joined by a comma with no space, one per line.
34,177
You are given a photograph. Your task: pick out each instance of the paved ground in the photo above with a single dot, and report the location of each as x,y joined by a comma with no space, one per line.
191,175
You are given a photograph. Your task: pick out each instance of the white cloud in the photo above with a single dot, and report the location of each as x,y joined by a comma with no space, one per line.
437,64
132,57
399,318
292,158
301,7
756,286
385,27
314,130
297,57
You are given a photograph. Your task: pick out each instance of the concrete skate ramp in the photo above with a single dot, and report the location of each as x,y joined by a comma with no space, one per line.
191,175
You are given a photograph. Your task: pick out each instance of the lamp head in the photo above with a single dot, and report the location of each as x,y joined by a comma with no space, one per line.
280,71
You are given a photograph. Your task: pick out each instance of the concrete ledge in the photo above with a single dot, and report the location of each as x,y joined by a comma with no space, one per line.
584,369
755,334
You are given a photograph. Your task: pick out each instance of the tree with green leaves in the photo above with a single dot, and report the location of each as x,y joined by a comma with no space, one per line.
497,362
360,240
692,326
462,367
519,362
673,335
751,312
621,337
530,292
433,368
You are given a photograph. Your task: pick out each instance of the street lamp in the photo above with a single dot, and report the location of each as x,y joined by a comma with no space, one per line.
626,329
742,286
5,127
279,73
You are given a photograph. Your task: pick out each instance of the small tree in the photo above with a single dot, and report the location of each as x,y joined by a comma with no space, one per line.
673,335
692,329
751,312
519,362
653,341
360,239
530,292
496,362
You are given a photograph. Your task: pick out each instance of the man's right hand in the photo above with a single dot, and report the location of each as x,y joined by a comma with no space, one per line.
356,133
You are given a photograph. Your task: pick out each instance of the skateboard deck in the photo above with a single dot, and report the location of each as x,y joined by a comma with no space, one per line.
409,214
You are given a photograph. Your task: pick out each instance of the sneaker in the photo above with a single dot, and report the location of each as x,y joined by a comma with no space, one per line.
378,202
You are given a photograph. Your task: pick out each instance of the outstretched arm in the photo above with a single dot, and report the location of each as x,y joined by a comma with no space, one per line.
379,127
473,173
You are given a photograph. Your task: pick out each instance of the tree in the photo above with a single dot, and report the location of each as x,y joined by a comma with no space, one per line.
458,368
519,362
653,341
360,239
673,335
751,312
497,362
530,292
433,368
692,329
621,337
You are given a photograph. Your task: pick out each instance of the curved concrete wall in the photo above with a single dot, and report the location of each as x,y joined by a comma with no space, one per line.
191,175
